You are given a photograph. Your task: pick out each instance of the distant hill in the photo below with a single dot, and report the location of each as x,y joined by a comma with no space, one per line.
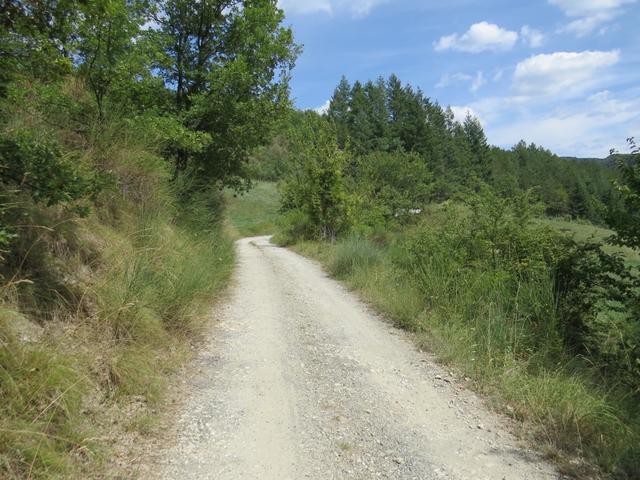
608,161
581,159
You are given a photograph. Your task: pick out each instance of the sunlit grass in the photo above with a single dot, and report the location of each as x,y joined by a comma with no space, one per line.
585,231
470,323
255,212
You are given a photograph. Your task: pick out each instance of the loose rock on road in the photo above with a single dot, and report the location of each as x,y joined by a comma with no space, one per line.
300,380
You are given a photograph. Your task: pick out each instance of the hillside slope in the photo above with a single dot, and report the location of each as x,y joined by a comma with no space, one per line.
100,297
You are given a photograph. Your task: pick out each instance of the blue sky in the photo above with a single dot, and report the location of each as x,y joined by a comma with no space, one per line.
564,74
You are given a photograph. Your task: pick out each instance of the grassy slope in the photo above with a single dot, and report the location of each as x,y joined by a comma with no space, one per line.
560,410
69,390
139,277
583,231
256,212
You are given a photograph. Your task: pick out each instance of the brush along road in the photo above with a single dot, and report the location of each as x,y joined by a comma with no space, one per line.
301,380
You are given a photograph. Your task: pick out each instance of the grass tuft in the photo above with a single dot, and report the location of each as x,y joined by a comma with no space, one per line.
354,254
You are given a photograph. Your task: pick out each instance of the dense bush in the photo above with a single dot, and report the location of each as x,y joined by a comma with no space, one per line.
514,295
390,188
492,266
38,167
597,298
316,185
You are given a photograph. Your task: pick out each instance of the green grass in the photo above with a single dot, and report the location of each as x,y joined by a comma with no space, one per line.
354,254
137,280
472,323
101,300
256,212
584,231
149,298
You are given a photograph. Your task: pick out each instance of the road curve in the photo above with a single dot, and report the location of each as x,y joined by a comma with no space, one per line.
300,380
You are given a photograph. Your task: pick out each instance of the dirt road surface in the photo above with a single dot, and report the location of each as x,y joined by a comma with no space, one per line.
300,380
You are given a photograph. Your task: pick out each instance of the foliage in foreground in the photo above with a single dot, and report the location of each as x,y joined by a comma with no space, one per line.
107,272
119,122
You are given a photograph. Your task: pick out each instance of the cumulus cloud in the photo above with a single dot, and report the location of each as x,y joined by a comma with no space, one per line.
480,37
561,72
587,128
356,8
532,37
590,15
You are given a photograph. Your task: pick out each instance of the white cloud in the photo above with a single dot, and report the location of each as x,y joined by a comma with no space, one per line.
324,108
564,73
585,25
589,15
475,82
355,8
480,37
478,82
532,37
583,8
587,128
362,8
453,78
461,112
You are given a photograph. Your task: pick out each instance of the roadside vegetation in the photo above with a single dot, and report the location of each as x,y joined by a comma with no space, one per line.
516,267
126,127
112,252
255,212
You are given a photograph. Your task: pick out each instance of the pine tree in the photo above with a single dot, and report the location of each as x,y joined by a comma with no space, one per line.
361,126
340,110
379,115
479,147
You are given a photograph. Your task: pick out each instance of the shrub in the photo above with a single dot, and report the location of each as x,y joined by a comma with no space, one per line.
294,225
597,296
393,187
38,167
316,183
354,253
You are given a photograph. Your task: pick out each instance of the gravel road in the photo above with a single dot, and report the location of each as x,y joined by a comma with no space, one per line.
300,380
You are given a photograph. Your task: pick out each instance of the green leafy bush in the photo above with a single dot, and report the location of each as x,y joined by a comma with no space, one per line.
38,166
294,225
316,183
487,287
597,297
391,188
